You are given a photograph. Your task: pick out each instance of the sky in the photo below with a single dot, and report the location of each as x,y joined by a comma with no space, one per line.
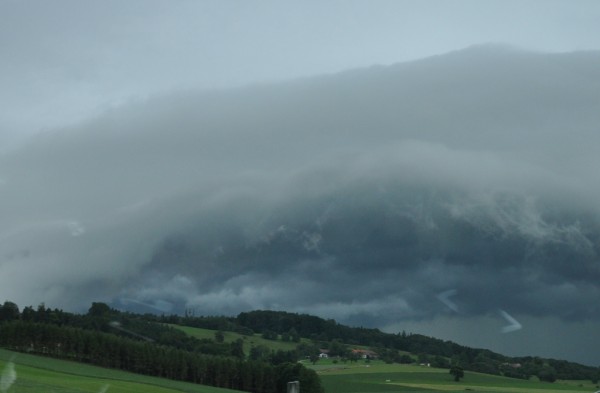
64,61
427,166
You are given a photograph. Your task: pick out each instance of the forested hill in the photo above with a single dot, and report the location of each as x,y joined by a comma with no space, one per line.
148,344
391,347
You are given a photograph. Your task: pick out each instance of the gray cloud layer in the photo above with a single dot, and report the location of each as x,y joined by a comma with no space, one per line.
66,60
358,196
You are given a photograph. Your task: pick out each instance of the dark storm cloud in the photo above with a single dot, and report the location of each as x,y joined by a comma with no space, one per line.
359,196
376,240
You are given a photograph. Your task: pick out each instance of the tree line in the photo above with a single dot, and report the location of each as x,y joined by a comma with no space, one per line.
97,338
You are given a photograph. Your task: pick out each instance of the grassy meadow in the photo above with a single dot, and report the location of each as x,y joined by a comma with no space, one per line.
37,374
378,377
249,341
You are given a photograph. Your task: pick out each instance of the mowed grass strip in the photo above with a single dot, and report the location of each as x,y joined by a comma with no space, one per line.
379,377
31,379
41,374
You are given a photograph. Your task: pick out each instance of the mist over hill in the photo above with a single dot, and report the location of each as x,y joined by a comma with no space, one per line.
359,196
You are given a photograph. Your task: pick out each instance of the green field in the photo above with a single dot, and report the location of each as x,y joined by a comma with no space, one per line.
40,374
378,377
249,341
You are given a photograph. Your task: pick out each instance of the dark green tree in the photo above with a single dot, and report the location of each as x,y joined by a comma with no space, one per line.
457,372
306,350
9,311
281,356
269,335
98,310
294,336
440,362
28,314
337,348
237,348
260,352
287,372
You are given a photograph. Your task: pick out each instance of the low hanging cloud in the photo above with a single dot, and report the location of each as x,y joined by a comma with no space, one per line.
370,239
359,196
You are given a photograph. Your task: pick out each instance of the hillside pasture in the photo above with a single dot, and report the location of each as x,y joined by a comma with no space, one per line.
249,341
40,374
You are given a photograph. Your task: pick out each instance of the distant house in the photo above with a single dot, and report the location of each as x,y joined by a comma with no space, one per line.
323,353
365,354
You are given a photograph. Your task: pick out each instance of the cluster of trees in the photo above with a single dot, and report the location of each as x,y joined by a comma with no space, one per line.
108,338
144,357
289,336
550,370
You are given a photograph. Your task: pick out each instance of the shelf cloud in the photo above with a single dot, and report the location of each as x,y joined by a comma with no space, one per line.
358,196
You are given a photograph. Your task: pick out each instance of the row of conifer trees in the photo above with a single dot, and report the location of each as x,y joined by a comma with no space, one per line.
150,358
